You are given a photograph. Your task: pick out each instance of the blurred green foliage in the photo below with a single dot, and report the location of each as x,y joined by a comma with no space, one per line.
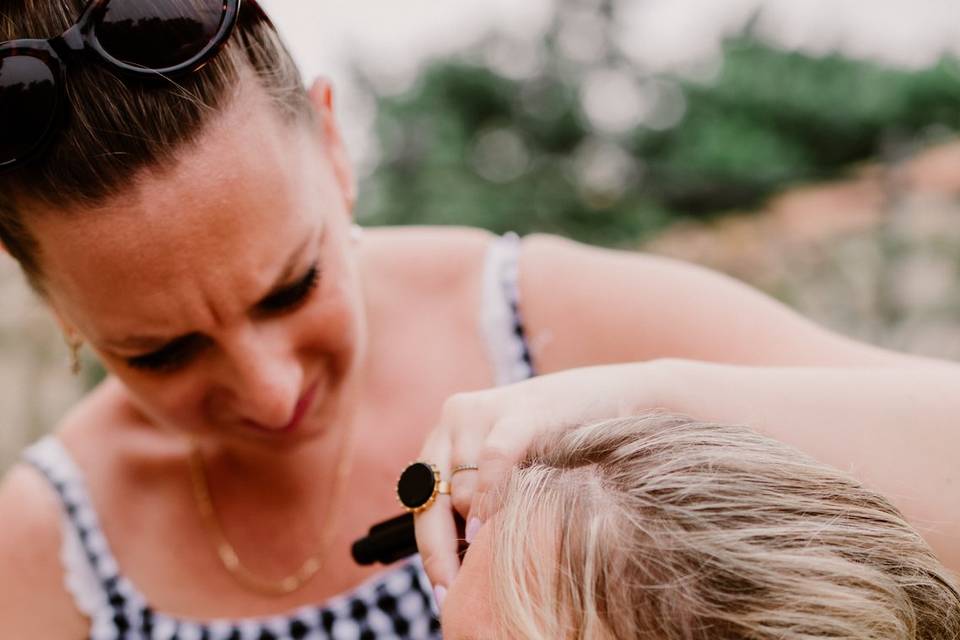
468,145
776,118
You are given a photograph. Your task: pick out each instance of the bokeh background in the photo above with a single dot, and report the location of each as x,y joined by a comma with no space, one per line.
809,148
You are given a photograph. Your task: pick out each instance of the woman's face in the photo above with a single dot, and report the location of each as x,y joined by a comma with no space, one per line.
223,291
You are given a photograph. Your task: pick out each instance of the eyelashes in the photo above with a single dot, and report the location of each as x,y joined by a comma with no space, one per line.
181,351
293,295
170,357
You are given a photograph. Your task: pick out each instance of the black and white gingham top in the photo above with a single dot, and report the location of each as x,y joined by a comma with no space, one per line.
395,605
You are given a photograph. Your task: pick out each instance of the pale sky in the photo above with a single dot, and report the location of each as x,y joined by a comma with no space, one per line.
396,37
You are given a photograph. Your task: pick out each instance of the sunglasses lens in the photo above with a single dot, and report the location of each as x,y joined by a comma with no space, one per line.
159,34
28,101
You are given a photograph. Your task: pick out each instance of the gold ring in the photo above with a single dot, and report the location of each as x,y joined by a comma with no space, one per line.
463,467
419,485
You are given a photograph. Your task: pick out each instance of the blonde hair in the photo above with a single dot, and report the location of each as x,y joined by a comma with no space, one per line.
665,528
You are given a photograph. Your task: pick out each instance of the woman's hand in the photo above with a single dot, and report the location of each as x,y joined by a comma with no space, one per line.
493,429
894,428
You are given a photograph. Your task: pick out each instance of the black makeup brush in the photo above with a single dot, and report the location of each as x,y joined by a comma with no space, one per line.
387,541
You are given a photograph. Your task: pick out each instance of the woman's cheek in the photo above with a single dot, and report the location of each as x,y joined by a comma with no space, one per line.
155,395
331,328
182,401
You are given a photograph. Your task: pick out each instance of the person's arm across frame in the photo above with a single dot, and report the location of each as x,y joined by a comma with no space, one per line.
893,428
584,305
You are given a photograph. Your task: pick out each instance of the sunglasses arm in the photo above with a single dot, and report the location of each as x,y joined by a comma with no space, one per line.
72,40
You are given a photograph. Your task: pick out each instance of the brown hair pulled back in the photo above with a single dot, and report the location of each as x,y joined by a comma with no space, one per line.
116,127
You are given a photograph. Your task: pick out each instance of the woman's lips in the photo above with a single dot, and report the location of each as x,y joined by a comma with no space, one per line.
303,406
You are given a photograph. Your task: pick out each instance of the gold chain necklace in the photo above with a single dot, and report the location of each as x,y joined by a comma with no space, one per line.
228,555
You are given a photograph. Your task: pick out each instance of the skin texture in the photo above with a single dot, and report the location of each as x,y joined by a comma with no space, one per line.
387,345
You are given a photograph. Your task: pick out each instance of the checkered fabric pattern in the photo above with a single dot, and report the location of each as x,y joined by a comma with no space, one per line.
395,606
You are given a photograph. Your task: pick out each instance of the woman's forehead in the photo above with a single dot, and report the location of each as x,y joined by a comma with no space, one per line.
121,284
234,205
245,158
172,221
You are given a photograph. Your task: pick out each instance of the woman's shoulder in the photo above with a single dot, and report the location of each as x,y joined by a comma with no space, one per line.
426,250
443,252
34,602
102,437
113,449
105,438
106,419
31,515
424,263
434,235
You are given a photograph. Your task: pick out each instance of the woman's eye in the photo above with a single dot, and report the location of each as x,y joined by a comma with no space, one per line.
181,351
170,357
293,295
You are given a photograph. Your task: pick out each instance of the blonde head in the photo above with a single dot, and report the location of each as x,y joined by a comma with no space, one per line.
665,528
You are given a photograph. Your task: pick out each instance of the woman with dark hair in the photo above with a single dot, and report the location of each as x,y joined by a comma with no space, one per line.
183,205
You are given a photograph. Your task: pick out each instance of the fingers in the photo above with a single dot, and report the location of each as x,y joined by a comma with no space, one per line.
494,466
462,487
436,528
505,445
467,446
471,433
437,542
466,420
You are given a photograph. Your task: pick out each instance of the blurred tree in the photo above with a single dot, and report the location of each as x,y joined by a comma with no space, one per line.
590,146
775,118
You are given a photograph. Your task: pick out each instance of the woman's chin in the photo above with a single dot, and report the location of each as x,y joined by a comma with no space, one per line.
307,427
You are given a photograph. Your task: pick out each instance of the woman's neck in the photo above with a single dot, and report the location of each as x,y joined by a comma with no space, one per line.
280,473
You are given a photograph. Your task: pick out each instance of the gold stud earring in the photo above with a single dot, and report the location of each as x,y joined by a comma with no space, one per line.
74,343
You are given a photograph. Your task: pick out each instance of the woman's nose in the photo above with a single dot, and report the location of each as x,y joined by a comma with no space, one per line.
264,379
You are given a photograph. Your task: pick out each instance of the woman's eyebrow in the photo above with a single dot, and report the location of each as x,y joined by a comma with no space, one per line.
150,342
144,343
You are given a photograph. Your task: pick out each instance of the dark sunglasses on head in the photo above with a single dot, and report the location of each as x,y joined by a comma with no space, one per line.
138,38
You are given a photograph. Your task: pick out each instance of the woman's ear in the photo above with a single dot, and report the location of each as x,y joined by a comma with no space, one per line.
321,96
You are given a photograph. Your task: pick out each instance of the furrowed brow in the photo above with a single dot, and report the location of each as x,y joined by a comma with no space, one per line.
153,342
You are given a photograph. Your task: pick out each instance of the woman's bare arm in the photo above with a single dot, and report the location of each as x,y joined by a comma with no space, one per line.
584,306
893,428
